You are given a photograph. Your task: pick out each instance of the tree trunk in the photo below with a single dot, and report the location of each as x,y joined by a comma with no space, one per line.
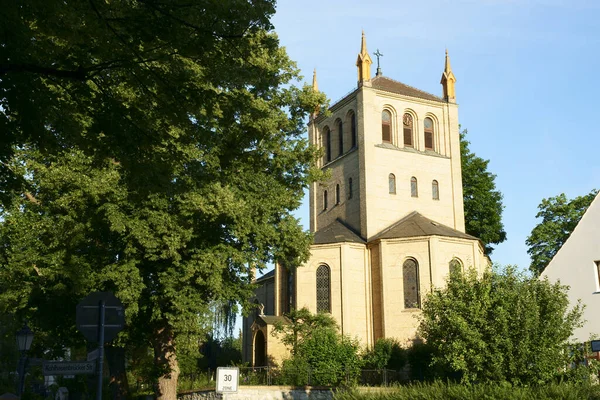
166,360
119,386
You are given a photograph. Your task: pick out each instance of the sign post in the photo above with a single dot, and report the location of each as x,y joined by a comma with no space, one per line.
228,379
100,317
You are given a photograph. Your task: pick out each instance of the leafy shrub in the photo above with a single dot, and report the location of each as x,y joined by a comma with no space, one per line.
387,353
499,326
320,355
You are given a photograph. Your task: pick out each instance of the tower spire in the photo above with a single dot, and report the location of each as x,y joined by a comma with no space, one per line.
315,88
448,81
363,62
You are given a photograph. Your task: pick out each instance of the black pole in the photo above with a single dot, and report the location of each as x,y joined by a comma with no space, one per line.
102,308
21,382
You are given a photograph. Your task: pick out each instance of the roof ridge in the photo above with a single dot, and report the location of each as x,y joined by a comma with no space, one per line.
321,235
338,219
416,214
407,85
409,215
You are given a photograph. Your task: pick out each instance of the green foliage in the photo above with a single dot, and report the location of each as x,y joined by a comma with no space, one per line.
157,154
195,382
482,201
584,367
220,352
320,355
420,360
444,391
559,217
500,326
302,324
387,353
329,358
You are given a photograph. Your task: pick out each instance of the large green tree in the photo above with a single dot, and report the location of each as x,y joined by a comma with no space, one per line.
482,201
560,216
150,148
502,325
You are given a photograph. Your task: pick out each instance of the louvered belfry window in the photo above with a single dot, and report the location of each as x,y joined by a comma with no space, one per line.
353,129
323,289
428,124
407,122
410,271
386,126
327,144
340,138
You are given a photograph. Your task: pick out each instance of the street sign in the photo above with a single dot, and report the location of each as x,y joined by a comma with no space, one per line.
595,345
87,316
93,355
227,379
68,367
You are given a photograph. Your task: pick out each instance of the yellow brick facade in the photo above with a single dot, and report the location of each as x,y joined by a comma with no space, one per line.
355,225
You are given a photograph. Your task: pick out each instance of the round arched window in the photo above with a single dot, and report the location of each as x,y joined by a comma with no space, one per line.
386,126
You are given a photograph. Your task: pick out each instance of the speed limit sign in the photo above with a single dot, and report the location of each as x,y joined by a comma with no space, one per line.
227,379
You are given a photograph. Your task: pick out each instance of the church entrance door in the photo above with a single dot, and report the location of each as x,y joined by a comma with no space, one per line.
260,353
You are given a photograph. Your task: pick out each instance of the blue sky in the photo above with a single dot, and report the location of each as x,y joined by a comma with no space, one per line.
528,83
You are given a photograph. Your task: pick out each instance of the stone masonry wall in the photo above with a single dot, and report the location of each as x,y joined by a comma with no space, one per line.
263,393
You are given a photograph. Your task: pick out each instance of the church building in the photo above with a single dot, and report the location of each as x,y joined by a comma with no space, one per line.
388,222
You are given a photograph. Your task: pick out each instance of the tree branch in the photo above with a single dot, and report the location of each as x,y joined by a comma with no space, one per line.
78,74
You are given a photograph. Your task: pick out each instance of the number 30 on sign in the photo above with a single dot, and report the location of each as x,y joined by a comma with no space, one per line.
227,379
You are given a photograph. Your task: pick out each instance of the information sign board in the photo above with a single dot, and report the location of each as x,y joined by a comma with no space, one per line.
227,379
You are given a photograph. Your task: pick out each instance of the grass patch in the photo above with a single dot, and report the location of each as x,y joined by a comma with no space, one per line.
443,391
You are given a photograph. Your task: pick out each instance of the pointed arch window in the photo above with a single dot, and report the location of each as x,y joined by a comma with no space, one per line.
340,128
353,128
392,183
337,194
435,190
323,288
407,123
386,126
428,124
414,189
349,188
327,143
410,272
325,200
455,265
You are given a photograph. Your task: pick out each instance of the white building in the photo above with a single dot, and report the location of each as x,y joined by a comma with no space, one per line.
577,265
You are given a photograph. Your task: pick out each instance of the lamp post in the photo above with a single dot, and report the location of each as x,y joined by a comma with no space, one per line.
24,339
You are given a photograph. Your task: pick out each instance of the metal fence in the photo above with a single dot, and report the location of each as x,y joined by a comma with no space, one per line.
267,376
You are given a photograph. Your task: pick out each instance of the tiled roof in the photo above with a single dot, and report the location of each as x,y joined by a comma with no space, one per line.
266,276
390,85
337,232
273,319
415,224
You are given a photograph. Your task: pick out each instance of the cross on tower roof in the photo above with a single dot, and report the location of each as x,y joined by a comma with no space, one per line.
378,54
